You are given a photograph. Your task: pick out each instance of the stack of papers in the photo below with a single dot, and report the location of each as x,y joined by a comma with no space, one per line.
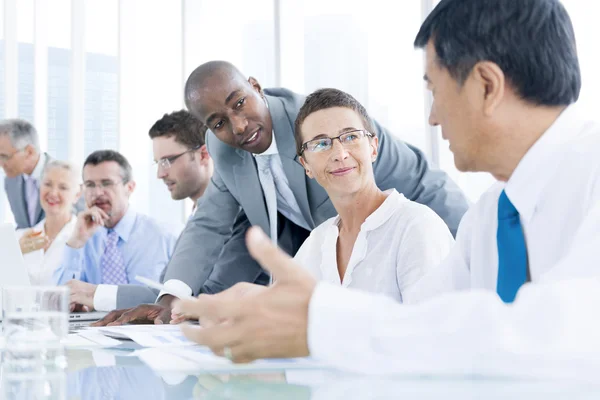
89,338
147,335
200,358
165,349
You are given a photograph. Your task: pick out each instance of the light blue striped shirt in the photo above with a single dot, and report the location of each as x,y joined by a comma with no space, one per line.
146,249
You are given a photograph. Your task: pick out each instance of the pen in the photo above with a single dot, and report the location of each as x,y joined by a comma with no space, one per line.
160,286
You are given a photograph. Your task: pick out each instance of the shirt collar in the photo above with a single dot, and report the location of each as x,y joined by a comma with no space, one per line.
382,213
539,163
272,148
125,226
39,168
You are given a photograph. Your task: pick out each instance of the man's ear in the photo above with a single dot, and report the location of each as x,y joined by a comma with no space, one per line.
130,187
254,83
203,155
30,151
306,167
491,78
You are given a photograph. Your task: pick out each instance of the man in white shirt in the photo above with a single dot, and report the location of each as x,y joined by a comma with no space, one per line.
503,85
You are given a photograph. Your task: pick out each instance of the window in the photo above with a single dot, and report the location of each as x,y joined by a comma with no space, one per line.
101,75
246,39
366,49
59,79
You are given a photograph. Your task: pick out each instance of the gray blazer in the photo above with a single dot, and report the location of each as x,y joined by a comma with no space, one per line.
211,254
15,192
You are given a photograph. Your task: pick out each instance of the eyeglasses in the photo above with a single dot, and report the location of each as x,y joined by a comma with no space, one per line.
4,158
106,184
165,163
347,139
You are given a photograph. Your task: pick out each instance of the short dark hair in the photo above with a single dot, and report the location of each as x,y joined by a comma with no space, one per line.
100,156
532,41
183,126
323,99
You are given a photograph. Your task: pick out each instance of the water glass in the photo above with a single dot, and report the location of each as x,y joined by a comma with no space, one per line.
35,326
25,386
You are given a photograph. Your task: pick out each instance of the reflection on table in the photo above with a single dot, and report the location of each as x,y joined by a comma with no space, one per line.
118,374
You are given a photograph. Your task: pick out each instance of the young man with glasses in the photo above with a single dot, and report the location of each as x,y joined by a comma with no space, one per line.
181,158
111,242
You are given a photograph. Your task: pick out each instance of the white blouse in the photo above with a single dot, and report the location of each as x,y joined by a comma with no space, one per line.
41,265
397,245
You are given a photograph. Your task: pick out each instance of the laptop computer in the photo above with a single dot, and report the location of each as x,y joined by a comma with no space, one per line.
13,271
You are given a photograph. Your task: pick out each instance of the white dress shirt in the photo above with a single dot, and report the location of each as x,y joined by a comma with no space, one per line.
396,246
556,189
36,174
42,265
286,202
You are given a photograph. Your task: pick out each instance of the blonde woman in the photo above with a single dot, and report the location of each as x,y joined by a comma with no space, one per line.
380,242
42,246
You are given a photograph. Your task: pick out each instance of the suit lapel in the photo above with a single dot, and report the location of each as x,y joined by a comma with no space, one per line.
20,188
286,146
251,195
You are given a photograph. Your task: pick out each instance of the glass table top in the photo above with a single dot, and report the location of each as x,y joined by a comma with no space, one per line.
94,374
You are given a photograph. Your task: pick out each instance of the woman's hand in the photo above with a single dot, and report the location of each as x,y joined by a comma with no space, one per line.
33,241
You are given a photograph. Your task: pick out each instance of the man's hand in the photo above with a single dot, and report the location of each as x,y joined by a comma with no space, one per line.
256,322
142,314
88,222
82,294
235,293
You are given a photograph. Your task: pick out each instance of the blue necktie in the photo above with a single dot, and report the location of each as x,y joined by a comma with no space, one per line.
512,251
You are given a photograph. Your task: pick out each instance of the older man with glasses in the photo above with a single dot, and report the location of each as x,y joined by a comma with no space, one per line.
23,163
111,243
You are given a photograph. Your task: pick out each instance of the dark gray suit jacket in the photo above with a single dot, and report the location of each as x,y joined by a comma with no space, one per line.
15,192
211,254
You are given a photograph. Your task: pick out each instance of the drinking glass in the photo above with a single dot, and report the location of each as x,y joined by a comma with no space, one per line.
35,327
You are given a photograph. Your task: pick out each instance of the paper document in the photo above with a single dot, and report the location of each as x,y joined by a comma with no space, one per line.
202,359
147,335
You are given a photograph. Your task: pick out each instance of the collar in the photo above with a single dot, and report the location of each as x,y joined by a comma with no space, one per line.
537,167
272,148
125,226
382,214
39,168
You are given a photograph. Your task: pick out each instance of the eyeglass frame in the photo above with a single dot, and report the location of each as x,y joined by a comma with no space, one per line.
365,133
105,184
171,159
5,158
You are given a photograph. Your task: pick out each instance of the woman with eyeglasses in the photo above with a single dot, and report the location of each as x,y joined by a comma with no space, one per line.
380,242
42,246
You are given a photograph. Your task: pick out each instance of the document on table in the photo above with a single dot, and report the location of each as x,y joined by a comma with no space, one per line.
202,359
146,335
90,338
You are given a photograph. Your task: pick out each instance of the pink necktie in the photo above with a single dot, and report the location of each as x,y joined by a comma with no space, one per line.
32,194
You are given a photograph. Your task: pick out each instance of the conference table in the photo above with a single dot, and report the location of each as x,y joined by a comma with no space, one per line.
94,374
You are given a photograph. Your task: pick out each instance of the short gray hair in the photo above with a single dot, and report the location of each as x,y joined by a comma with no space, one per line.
70,167
21,133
